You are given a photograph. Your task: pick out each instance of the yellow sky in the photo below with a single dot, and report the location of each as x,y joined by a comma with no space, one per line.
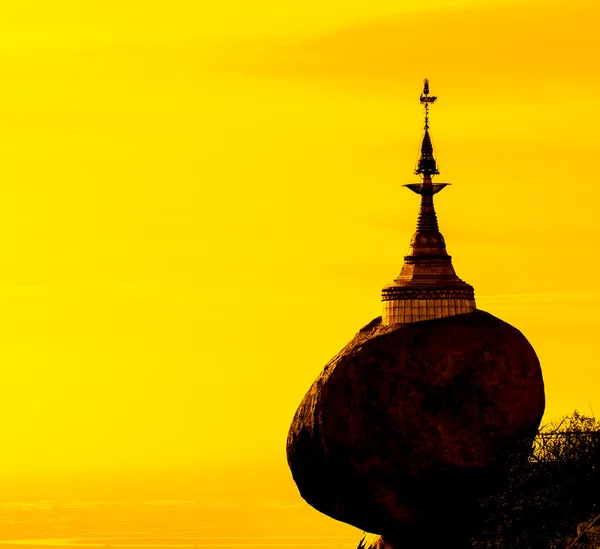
202,202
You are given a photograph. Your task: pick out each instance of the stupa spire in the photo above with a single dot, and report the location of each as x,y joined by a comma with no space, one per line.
427,286
427,165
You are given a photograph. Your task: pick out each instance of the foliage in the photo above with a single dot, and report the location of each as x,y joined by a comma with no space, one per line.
550,490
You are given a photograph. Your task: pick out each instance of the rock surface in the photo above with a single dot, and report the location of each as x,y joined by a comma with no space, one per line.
408,424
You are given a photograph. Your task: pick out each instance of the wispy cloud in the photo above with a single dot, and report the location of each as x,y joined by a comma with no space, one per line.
492,42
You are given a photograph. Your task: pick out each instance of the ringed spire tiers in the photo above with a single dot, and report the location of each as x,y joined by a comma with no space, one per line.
427,286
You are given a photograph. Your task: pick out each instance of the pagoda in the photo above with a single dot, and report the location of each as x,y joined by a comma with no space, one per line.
427,286
422,413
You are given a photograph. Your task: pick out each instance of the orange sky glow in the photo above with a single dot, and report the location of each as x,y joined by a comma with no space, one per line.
202,201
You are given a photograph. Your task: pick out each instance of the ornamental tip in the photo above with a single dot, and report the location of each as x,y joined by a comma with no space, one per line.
425,98
427,165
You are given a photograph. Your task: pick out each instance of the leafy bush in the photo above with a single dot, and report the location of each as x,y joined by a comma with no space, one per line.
550,491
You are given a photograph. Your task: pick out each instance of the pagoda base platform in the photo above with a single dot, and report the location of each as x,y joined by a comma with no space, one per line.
402,305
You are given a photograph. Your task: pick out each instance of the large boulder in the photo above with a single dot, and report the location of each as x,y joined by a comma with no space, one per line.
409,424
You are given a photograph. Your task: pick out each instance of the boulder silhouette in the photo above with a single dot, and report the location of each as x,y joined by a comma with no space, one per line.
410,423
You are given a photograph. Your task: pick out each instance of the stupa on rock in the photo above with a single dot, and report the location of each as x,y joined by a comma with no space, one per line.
414,419
427,287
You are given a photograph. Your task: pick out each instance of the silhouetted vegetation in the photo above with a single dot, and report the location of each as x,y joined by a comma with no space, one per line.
550,491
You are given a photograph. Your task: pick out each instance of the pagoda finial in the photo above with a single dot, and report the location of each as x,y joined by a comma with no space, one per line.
427,165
